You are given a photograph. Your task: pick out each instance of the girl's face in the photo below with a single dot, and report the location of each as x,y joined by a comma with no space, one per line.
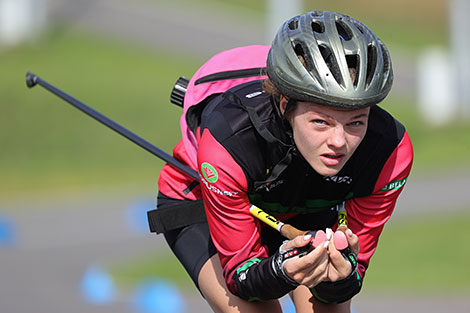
326,136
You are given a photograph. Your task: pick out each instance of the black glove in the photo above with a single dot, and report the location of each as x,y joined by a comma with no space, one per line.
341,290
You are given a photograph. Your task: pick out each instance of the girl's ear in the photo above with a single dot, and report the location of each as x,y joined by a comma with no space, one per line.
283,104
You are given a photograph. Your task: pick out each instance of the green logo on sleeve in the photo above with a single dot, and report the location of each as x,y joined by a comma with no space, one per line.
209,172
248,264
395,185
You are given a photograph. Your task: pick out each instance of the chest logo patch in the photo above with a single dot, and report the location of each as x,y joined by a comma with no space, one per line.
209,172
338,179
395,185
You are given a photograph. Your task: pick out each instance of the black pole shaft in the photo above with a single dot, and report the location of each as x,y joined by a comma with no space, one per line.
33,80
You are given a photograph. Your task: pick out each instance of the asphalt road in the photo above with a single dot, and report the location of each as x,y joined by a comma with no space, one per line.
57,241
54,244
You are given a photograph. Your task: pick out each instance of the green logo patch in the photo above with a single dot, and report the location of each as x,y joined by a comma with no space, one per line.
395,185
209,172
248,264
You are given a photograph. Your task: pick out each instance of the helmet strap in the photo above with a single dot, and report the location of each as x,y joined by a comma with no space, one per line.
289,106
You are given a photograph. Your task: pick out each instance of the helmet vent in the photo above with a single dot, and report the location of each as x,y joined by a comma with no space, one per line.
343,30
359,27
303,57
385,58
294,24
299,51
371,62
317,27
331,62
353,65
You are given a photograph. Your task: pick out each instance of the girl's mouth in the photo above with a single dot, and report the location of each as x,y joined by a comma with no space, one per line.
332,159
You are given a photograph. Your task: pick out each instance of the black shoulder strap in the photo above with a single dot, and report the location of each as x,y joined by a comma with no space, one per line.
255,119
277,170
249,72
268,136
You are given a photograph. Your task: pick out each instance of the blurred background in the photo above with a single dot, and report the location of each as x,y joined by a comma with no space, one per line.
73,194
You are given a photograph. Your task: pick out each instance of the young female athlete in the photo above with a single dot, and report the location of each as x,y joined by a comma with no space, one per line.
297,143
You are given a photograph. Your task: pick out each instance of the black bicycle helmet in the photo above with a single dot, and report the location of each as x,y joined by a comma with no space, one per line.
346,65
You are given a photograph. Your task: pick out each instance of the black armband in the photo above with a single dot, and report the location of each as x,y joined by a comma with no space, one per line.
342,290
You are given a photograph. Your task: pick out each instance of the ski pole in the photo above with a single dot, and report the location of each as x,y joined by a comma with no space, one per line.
33,80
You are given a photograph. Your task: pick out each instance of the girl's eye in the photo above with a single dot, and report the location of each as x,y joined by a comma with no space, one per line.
319,122
356,123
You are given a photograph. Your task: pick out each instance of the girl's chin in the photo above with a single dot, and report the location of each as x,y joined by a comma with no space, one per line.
325,170
328,172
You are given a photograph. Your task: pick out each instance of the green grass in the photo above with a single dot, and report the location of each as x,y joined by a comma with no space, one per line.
418,255
429,254
44,141
436,148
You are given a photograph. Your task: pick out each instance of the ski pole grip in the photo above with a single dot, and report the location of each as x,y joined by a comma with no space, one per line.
290,232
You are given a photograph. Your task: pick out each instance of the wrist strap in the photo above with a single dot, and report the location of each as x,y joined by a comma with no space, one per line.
281,258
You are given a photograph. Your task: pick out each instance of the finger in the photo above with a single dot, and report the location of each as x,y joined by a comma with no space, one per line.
332,251
309,261
353,241
320,238
339,267
309,268
316,276
299,241
336,258
340,240
314,267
